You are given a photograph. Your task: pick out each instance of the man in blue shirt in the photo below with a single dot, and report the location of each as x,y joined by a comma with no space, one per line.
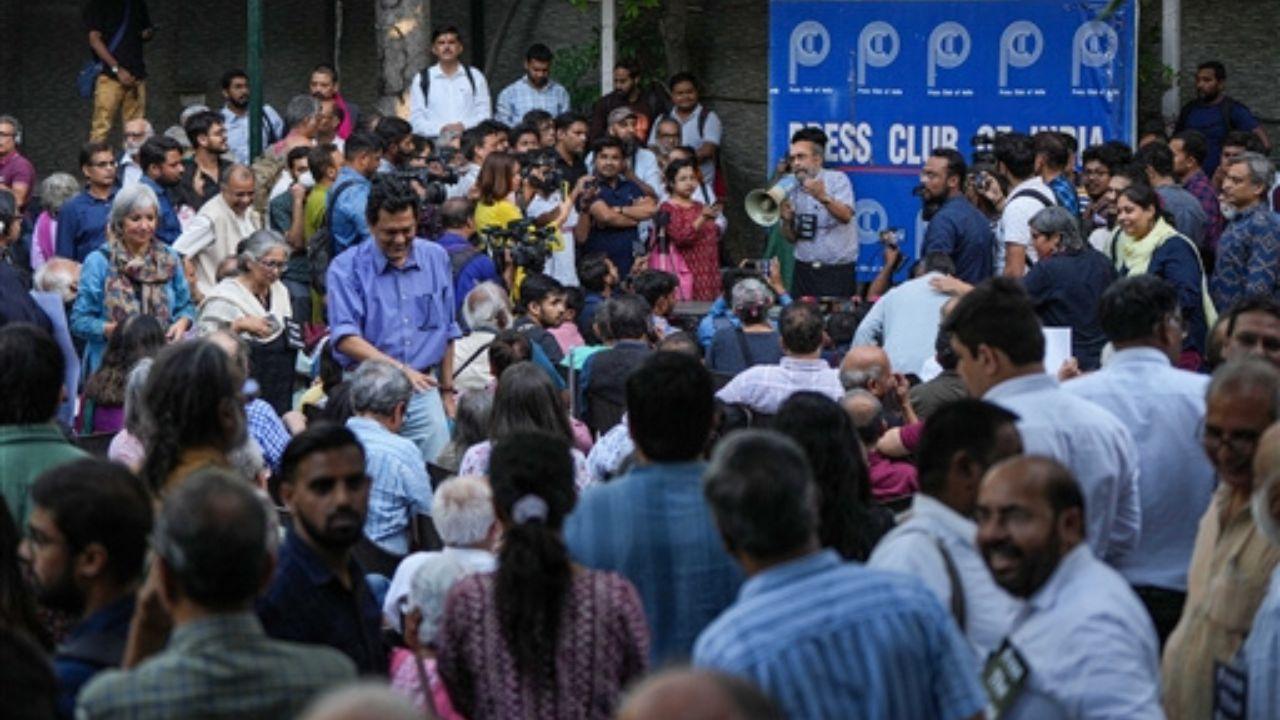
82,221
823,638
86,539
318,594
350,192
1249,249
652,525
955,225
161,161
1213,114
391,299
469,264
618,208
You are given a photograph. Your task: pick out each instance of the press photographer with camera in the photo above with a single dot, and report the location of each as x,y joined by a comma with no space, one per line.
817,216
614,207
956,227
468,262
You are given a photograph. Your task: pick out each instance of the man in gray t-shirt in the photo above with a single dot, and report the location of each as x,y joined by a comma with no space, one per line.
817,217
1156,158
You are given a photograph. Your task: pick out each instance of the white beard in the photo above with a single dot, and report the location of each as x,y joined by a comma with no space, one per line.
1228,211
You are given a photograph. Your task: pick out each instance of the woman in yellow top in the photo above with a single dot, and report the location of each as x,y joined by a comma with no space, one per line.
499,185
1148,243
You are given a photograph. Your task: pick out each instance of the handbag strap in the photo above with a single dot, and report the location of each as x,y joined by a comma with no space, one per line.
429,700
743,346
115,39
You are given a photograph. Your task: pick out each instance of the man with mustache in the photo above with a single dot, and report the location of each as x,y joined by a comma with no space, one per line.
319,594
1083,645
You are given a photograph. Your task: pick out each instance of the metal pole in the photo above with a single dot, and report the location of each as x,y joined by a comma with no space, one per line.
255,77
1170,53
608,23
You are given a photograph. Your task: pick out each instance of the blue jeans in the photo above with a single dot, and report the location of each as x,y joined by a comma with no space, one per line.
426,424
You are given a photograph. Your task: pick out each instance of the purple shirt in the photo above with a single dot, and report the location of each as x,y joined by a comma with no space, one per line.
1198,185
405,312
16,169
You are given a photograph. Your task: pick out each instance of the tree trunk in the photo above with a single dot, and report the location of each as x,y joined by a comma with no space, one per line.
402,51
675,35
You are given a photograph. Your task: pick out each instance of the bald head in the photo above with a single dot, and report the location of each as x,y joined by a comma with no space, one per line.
1030,514
696,695
237,187
866,367
59,275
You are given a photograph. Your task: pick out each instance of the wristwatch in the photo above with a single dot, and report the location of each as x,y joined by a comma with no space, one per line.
115,69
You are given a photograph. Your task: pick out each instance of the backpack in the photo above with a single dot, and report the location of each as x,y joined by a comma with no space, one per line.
458,259
320,245
266,171
424,82
1227,105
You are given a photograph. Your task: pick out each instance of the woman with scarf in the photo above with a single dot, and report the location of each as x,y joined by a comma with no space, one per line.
255,305
1148,243
133,273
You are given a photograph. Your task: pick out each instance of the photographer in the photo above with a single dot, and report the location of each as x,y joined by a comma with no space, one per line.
818,217
956,227
614,209
469,263
547,204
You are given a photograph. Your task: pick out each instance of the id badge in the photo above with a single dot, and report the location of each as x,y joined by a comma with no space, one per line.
293,334
806,226
1003,677
1230,691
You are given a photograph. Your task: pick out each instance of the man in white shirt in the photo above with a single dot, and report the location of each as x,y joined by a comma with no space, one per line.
533,91
700,127
449,94
215,231
1082,646
997,338
136,133
900,320
818,217
936,542
764,388
641,164
1016,161
1164,406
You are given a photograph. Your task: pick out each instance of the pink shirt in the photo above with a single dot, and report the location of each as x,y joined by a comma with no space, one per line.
567,336
891,478
406,681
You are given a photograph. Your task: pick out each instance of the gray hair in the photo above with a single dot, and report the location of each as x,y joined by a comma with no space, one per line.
128,200
487,305
364,700
1059,221
471,424
12,122
56,190
233,171
1261,171
259,243
855,380
1252,375
134,413
377,387
427,590
299,109
55,276
462,510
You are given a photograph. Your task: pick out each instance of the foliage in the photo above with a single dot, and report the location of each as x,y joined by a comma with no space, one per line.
638,37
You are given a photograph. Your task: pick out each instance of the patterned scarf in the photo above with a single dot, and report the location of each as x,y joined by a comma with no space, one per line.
137,285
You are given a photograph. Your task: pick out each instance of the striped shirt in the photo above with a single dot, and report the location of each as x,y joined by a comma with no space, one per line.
827,639
764,388
521,96
400,489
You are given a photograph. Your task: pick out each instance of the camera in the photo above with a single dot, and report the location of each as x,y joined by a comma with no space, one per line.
539,170
984,152
435,182
527,245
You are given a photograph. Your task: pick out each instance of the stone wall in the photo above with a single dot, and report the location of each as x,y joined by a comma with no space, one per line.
1242,35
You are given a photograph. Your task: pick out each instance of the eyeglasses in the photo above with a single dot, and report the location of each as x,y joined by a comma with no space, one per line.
1270,344
8,134
1240,442
103,164
272,264
135,134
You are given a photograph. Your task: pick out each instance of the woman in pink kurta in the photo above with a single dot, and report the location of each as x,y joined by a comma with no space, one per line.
693,230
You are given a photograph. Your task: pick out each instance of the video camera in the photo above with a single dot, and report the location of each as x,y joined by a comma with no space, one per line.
433,180
527,245
540,170
984,150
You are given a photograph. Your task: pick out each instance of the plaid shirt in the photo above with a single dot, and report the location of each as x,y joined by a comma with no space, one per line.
1249,258
1198,184
268,430
520,97
401,488
222,666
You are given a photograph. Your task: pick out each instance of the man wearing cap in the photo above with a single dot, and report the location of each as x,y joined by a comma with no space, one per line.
641,165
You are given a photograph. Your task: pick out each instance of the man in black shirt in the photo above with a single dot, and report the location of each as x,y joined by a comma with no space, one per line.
571,145
117,30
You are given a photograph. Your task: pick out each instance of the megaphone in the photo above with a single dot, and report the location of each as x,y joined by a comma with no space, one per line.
763,205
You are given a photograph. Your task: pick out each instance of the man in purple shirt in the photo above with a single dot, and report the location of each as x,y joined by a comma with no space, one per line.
1189,153
392,300
16,173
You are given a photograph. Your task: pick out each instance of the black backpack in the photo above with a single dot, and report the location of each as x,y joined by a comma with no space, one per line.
424,82
320,245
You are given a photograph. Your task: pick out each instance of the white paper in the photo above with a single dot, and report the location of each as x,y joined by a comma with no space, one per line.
1057,348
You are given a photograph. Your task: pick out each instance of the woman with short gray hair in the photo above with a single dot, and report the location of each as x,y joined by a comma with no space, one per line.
486,310
132,273
255,305
1067,282
55,191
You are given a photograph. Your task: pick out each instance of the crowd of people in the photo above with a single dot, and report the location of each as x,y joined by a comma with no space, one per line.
415,416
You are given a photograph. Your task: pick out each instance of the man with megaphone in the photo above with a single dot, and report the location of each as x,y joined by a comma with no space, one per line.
815,206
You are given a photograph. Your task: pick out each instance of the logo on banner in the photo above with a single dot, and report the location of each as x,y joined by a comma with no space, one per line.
1095,46
1021,45
949,46
878,46
871,218
810,45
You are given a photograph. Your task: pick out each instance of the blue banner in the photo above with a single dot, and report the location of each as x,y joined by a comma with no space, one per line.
890,81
